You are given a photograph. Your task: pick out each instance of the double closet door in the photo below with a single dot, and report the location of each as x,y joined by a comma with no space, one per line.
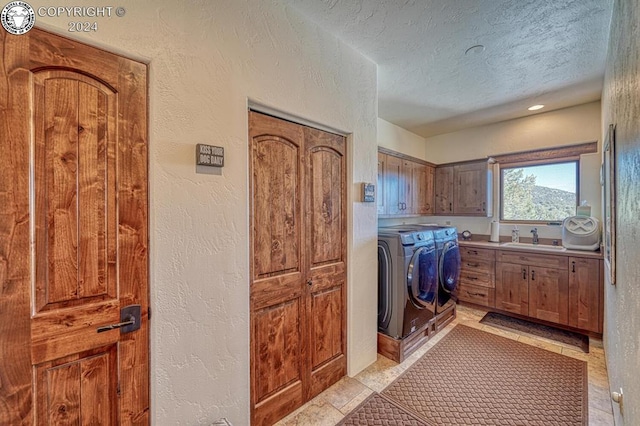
298,267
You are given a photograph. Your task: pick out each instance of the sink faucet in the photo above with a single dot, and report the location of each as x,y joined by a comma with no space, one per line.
534,231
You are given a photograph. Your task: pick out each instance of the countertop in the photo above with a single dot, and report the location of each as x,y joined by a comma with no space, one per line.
496,246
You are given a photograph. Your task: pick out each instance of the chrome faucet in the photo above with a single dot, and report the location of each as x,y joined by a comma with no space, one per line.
534,231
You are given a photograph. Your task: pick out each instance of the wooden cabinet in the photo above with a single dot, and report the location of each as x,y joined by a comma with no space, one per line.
298,273
477,276
533,284
444,190
464,189
405,186
585,293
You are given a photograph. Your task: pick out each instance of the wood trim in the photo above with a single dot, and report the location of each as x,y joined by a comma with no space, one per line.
547,154
391,152
488,160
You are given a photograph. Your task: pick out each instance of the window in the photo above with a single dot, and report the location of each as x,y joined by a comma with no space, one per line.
546,192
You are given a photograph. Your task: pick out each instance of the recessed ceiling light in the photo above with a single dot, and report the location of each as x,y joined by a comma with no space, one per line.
535,107
474,50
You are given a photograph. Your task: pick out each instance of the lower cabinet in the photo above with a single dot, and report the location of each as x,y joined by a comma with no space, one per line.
534,285
477,272
585,293
560,289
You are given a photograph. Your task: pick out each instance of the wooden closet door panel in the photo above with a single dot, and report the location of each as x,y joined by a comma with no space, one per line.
277,291
326,247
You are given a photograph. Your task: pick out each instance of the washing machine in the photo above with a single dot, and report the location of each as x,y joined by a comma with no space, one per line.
448,254
407,281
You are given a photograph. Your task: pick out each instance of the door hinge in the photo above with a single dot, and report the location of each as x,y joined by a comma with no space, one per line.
118,389
149,313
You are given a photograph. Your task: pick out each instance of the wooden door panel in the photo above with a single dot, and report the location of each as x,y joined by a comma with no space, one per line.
326,232
512,288
381,189
278,348
394,185
75,167
276,197
326,316
548,294
443,190
470,188
78,389
74,196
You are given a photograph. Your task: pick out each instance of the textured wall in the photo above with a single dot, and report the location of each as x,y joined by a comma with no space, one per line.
621,106
400,140
207,60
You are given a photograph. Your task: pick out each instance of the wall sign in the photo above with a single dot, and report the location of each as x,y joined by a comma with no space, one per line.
368,192
209,155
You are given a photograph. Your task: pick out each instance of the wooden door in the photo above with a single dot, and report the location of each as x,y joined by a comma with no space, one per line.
298,273
381,192
512,288
444,190
585,286
548,294
325,244
470,189
74,234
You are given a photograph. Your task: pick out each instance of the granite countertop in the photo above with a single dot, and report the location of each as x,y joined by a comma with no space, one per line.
484,243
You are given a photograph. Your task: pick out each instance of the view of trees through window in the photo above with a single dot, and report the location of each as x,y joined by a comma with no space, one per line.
539,193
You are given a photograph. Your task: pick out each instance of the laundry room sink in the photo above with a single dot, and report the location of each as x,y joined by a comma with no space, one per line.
536,247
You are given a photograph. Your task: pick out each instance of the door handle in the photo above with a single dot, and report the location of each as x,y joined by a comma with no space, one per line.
533,275
524,274
129,320
309,282
573,266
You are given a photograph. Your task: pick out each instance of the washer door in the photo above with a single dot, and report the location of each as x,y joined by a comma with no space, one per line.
384,285
422,277
449,267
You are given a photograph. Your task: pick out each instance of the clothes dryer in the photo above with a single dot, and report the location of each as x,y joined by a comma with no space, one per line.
407,281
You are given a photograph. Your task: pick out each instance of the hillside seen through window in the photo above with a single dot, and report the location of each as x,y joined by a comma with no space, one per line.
545,192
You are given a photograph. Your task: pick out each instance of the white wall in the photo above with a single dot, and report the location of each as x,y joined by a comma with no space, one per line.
621,106
400,140
207,60
555,128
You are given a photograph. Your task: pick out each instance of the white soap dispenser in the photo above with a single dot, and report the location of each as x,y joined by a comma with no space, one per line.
515,235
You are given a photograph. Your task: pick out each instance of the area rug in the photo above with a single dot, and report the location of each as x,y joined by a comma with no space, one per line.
378,410
472,377
566,338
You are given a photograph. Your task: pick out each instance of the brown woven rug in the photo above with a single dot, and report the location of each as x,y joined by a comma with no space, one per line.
472,377
565,338
378,410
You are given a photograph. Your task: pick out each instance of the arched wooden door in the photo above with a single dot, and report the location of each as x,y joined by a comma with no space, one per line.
298,264
73,234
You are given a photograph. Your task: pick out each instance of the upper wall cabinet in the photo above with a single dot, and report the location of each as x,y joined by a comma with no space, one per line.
405,185
464,189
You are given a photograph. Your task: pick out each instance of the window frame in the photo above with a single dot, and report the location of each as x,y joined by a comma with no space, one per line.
549,161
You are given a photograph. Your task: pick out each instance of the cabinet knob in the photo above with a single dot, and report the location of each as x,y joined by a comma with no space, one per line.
573,266
533,275
524,274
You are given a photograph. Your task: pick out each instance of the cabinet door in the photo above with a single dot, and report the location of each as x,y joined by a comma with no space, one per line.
423,189
470,189
548,294
381,190
585,287
407,187
394,185
444,190
512,288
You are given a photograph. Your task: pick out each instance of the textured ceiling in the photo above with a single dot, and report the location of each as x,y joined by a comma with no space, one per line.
551,52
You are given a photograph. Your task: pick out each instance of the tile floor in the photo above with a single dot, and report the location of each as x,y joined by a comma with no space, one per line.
332,405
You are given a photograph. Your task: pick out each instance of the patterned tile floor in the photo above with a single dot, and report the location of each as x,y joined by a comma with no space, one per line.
332,405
